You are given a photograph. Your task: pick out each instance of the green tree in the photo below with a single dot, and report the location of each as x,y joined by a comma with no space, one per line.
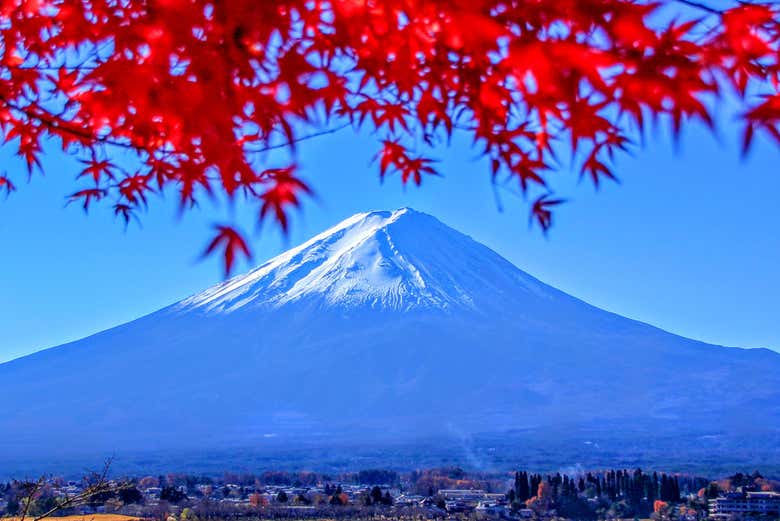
130,495
13,506
172,495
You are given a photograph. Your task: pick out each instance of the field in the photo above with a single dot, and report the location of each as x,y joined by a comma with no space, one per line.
89,517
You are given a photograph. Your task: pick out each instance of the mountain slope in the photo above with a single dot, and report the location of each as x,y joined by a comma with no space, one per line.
388,326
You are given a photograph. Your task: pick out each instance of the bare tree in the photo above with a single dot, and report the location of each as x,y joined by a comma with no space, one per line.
96,483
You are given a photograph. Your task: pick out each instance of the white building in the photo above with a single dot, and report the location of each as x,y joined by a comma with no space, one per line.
745,505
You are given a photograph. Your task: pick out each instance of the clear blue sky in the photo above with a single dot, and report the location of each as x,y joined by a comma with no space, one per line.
688,241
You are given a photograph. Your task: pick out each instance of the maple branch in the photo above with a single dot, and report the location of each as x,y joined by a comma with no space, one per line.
713,10
700,6
298,140
53,122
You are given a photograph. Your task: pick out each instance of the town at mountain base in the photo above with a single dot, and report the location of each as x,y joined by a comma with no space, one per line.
387,329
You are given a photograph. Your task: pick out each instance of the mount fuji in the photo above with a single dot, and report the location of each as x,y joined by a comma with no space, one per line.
389,326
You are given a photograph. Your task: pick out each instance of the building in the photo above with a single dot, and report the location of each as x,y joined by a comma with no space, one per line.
462,495
409,500
745,505
457,500
489,508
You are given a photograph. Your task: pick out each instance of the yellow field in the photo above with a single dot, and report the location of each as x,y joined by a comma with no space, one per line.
90,517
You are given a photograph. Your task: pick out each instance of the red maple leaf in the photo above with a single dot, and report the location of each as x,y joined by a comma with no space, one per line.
6,185
232,243
194,97
541,210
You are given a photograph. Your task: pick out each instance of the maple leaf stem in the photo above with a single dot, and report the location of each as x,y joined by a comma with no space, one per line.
700,6
298,140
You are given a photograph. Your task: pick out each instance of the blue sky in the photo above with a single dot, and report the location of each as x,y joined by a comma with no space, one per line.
688,241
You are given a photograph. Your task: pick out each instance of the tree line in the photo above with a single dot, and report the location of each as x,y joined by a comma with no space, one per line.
626,492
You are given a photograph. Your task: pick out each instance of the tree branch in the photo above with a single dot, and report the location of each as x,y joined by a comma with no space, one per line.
700,6
28,499
100,485
297,140
53,123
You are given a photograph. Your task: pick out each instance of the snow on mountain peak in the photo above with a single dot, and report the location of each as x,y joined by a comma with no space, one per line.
395,260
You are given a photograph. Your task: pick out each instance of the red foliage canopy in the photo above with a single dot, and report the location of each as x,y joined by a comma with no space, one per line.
197,88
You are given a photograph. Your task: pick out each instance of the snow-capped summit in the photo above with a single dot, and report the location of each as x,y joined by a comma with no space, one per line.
393,260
